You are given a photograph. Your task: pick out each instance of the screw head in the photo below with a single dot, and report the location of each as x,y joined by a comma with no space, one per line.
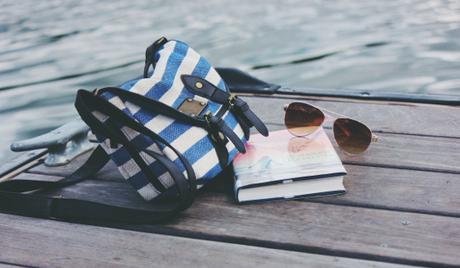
199,85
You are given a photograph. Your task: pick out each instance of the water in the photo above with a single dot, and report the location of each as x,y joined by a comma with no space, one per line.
48,49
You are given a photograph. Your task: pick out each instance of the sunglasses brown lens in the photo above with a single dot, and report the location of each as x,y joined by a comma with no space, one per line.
352,136
302,119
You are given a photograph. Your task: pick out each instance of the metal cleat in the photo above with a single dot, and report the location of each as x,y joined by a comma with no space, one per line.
63,144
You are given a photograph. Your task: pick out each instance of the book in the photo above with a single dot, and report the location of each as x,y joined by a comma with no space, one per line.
283,166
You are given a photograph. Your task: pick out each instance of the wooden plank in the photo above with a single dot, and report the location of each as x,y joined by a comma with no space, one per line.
392,150
384,188
403,151
398,189
46,243
20,169
341,226
409,152
375,234
340,230
404,118
18,161
10,265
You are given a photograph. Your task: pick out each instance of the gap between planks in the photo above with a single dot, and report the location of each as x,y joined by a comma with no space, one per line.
12,265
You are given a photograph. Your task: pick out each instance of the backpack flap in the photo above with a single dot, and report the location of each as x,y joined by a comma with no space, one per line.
245,116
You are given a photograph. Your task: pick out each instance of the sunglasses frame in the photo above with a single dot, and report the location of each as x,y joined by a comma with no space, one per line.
330,116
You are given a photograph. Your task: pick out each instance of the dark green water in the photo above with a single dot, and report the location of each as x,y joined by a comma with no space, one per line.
48,49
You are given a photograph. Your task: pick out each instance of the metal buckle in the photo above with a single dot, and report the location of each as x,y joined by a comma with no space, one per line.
192,107
206,117
232,99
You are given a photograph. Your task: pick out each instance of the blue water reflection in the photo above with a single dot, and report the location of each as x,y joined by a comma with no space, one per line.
48,49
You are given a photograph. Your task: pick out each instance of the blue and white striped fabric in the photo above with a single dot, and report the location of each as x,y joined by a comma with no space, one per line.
173,59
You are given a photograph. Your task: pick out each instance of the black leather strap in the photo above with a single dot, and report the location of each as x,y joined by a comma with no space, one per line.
242,110
34,205
87,102
218,125
13,199
95,162
155,106
203,88
244,126
213,126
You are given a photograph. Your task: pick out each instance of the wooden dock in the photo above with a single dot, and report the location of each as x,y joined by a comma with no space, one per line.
402,207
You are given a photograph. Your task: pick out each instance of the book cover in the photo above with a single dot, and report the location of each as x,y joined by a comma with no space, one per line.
285,166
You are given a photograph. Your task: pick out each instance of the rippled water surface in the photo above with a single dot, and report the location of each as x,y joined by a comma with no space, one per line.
48,49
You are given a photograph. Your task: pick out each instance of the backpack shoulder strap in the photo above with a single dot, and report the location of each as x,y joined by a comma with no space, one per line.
13,199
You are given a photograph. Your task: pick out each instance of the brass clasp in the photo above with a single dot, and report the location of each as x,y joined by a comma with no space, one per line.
192,107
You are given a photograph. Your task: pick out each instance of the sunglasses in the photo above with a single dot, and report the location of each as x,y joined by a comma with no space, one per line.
302,119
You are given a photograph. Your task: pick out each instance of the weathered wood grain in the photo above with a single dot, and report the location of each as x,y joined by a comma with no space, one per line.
399,189
385,188
402,205
47,243
340,230
405,118
10,265
403,151
392,150
409,152
347,231
18,161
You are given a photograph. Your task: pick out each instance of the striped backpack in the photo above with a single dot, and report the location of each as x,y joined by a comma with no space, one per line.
169,132
172,130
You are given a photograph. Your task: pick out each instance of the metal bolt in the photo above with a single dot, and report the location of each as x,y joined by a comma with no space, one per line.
405,222
198,85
